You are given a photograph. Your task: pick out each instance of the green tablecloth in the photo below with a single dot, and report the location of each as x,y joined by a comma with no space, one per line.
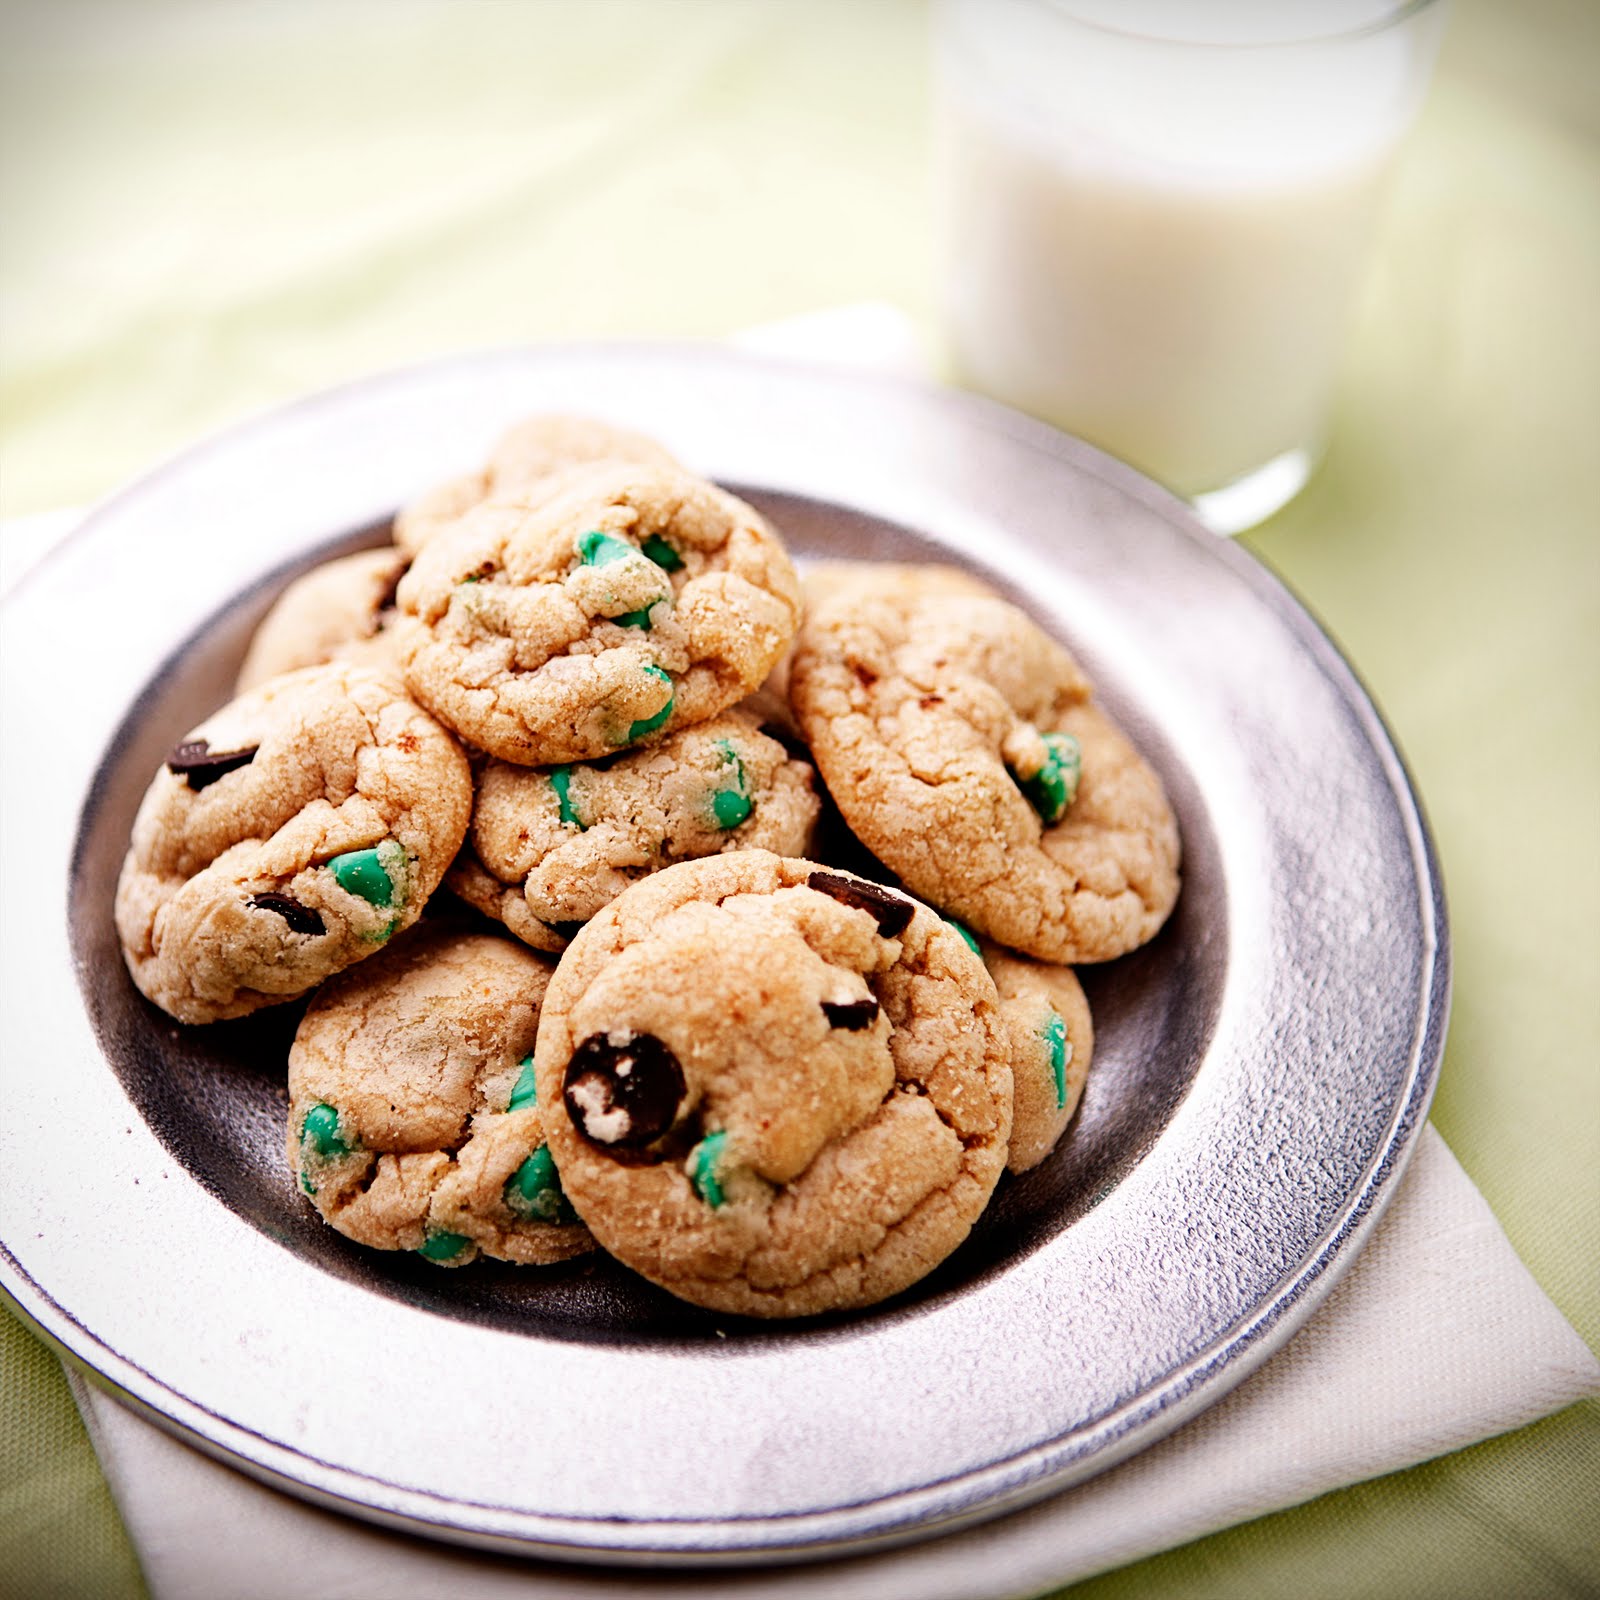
213,207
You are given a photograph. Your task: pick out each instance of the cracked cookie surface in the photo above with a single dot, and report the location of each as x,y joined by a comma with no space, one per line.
774,1089
1047,1018
965,749
548,847
526,456
412,1122
627,603
338,611
288,836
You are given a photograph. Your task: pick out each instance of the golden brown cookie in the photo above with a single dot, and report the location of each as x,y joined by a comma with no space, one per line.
338,611
289,835
527,456
548,847
822,581
774,1089
965,749
1052,1043
412,1123
632,602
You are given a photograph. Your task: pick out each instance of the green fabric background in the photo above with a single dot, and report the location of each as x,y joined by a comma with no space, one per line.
209,208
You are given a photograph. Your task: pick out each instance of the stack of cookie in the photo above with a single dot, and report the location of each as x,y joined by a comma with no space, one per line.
577,692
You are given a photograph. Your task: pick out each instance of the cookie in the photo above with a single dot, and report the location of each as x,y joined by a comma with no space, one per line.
633,602
412,1123
820,581
338,611
965,748
773,1089
289,835
528,455
548,847
1052,1043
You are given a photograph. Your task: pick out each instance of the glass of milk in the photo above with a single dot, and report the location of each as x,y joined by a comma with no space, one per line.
1155,214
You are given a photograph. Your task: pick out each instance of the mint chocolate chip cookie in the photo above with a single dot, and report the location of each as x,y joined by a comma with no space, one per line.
549,846
289,835
966,751
772,1088
338,611
527,457
627,603
1052,1042
412,1120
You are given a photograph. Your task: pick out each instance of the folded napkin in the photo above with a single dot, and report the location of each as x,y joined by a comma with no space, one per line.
1437,1337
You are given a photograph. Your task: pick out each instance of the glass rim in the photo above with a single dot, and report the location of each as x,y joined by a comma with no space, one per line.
1402,13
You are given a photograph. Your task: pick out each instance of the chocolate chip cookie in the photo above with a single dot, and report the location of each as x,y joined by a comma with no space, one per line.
966,750
774,1089
631,602
338,611
527,456
412,1122
288,836
548,847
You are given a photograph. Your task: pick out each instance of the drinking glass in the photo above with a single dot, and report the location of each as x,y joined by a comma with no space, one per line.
1155,214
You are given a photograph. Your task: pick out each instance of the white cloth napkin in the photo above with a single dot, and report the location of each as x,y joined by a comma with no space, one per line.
1437,1337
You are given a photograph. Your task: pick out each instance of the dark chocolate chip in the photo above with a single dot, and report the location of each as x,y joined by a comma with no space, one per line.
851,1014
198,764
301,918
625,1093
566,930
892,912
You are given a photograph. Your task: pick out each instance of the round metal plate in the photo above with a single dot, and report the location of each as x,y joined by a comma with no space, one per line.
1262,1068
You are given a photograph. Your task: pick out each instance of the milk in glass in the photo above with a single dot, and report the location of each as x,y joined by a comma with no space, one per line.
1153,242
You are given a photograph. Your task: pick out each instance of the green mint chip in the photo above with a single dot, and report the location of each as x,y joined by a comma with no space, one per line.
1054,1034
534,1193
561,782
662,553
443,1246
731,805
597,549
1054,786
370,874
319,1133
703,1163
523,1093
648,725
635,619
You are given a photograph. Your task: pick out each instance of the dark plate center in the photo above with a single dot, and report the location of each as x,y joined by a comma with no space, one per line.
216,1096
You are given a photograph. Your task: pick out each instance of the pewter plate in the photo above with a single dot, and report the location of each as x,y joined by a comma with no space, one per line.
1262,1071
